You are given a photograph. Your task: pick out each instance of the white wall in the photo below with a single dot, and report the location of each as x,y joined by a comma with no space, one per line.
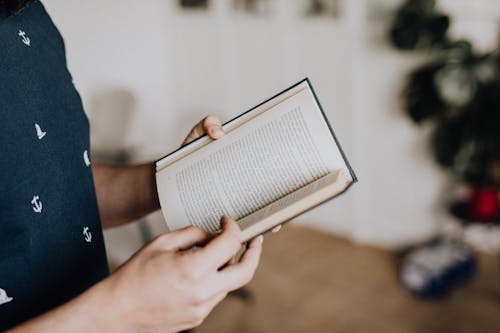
182,65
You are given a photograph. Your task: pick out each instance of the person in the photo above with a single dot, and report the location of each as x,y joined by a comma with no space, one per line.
54,203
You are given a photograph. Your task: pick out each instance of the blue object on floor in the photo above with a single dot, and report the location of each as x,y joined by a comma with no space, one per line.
435,269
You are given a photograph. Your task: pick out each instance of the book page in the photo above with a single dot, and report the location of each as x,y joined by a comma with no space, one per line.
295,203
231,125
275,154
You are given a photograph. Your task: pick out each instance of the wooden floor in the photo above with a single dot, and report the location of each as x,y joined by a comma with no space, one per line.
312,282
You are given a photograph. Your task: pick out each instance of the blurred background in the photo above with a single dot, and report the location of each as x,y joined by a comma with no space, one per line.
411,89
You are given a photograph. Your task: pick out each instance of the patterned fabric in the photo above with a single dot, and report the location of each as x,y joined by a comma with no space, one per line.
51,243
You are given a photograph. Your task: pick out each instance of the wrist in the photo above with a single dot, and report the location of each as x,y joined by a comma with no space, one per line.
102,308
92,311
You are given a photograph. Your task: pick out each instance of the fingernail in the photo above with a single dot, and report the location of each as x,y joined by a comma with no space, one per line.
260,238
217,133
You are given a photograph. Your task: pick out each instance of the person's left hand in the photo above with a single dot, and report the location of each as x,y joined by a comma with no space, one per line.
212,126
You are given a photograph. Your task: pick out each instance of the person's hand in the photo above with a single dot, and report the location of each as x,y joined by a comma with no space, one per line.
168,286
212,126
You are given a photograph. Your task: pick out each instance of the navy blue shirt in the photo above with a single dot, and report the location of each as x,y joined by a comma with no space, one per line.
51,243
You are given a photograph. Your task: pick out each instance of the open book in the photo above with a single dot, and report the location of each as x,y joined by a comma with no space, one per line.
276,161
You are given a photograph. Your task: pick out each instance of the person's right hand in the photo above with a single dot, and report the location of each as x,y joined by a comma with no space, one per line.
165,288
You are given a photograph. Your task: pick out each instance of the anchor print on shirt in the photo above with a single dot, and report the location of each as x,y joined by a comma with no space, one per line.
39,132
3,297
86,158
37,204
25,39
87,234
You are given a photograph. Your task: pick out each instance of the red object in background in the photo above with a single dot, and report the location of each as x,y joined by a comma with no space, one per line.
485,203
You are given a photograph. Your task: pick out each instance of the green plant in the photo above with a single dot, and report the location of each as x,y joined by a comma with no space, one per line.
458,90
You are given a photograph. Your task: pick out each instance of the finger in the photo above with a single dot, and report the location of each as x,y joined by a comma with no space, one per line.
182,239
276,228
236,258
222,247
213,127
195,133
237,275
210,125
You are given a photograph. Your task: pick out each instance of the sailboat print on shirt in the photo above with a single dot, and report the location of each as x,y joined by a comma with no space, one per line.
39,132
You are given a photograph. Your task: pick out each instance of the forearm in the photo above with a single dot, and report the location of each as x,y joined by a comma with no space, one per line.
89,312
125,193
